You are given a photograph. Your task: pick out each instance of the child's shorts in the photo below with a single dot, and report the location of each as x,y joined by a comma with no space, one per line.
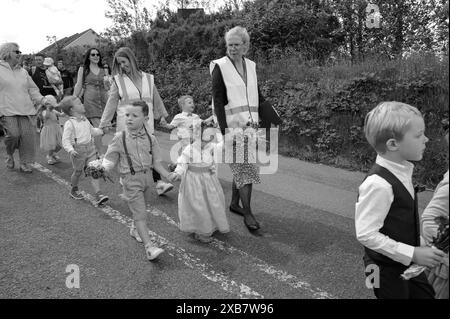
86,154
137,191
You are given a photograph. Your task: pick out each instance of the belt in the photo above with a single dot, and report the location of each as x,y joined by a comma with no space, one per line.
239,109
197,169
142,171
84,145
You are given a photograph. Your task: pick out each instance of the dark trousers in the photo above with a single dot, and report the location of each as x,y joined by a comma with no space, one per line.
392,286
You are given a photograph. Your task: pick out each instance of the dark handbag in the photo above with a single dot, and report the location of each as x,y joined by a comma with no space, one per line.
268,115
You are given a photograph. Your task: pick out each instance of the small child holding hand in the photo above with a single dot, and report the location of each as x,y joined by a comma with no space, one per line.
386,215
187,123
78,141
135,152
51,133
201,201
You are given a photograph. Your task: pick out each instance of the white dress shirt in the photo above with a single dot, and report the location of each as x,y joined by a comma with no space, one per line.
81,129
185,123
375,199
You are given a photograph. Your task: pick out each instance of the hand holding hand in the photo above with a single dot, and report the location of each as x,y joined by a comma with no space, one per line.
106,129
428,256
163,121
209,120
74,153
173,177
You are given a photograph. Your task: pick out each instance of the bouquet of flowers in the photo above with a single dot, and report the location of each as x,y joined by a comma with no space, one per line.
439,242
96,170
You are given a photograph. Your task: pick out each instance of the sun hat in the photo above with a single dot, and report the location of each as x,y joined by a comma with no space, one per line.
48,61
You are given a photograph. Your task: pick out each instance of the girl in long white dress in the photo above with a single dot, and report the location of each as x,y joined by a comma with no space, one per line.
201,201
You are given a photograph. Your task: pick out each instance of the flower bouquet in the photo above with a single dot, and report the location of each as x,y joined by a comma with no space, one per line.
439,242
96,170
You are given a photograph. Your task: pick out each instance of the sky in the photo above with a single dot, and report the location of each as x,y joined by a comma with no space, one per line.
29,22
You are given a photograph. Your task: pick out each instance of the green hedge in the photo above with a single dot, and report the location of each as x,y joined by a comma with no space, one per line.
324,107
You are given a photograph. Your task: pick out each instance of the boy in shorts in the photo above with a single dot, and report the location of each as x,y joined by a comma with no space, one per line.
78,141
135,152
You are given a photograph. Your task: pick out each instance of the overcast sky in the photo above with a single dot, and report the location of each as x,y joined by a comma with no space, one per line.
28,22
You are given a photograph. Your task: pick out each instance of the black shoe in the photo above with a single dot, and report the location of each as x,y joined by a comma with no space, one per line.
75,194
100,199
236,211
251,227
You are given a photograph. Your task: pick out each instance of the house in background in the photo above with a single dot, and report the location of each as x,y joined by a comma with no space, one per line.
86,38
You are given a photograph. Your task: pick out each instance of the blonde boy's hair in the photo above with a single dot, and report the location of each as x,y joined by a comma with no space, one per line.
66,104
182,99
386,121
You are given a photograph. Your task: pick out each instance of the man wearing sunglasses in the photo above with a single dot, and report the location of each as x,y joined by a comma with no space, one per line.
18,97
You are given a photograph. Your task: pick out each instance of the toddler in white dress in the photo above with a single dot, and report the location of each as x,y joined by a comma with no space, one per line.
201,201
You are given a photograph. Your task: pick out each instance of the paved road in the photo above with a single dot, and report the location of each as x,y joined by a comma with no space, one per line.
305,249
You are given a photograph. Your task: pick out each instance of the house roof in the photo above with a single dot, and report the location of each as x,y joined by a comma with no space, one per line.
66,41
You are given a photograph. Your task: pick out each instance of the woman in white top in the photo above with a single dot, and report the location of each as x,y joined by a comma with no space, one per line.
130,84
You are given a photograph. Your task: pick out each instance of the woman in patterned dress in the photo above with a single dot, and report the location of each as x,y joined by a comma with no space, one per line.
92,88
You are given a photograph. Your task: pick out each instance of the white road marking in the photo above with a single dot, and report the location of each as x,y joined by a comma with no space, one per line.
257,263
205,269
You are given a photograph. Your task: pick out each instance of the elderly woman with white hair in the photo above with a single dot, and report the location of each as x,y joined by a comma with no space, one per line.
18,97
236,101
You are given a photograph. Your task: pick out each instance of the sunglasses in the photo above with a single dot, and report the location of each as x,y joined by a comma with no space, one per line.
17,52
95,54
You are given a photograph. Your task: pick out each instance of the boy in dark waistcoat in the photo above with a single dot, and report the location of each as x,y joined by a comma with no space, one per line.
386,214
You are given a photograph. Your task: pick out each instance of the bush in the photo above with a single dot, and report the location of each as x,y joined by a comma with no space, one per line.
326,107
323,107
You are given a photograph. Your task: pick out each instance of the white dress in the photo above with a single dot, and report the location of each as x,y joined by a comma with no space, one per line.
201,201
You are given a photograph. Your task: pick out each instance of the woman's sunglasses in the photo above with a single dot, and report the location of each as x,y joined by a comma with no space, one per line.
17,52
95,54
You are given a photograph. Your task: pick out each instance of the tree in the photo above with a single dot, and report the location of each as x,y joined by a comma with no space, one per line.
54,50
304,26
406,26
128,16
